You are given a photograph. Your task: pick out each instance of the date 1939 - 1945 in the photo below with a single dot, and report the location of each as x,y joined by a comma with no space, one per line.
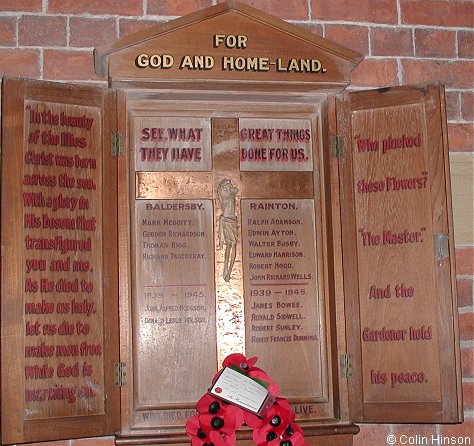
186,294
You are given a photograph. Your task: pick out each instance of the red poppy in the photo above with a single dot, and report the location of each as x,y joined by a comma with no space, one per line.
197,432
209,404
226,423
202,434
257,373
222,440
296,440
240,361
252,420
276,421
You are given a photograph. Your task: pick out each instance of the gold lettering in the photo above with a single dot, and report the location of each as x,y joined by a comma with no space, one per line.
154,61
293,65
305,65
230,63
197,62
142,60
218,39
279,67
230,41
316,66
300,66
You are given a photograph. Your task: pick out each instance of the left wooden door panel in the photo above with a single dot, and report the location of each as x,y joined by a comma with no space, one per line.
59,305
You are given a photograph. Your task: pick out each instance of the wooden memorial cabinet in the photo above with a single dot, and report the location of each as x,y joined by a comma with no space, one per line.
223,197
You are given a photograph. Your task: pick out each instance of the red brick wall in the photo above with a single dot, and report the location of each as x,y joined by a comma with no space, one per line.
405,41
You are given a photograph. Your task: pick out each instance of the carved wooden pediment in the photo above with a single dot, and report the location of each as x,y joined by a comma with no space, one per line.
230,44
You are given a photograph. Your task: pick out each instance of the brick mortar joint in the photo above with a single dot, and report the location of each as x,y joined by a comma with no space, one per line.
69,15
309,21
422,58
48,47
460,121
459,90
375,25
466,310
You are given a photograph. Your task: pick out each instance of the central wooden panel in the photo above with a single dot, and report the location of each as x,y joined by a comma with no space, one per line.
225,235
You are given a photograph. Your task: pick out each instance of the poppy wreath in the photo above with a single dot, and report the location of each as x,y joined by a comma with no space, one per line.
217,421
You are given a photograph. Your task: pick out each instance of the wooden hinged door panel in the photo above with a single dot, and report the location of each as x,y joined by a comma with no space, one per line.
398,256
59,305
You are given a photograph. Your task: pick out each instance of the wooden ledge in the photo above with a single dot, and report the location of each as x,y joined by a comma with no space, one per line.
325,433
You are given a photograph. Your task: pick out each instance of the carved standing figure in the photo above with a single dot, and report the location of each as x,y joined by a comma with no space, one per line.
228,233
